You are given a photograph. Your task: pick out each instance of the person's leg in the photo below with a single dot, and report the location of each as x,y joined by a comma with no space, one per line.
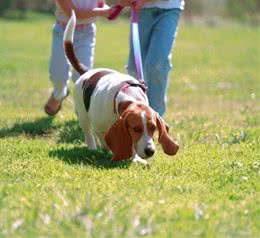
84,43
59,72
158,60
59,67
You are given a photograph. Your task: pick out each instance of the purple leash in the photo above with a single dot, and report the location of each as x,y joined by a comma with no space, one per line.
136,45
116,10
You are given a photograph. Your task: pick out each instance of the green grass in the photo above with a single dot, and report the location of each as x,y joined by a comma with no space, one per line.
52,186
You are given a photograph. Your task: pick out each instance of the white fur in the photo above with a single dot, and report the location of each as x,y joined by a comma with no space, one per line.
146,140
69,31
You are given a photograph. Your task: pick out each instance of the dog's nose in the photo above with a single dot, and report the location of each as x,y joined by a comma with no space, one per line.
149,151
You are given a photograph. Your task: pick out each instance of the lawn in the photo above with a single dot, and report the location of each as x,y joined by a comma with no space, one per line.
52,186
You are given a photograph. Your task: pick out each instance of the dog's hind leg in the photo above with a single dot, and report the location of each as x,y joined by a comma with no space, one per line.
85,126
84,120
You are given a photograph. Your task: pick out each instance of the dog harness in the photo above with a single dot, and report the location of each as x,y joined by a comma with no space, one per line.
124,87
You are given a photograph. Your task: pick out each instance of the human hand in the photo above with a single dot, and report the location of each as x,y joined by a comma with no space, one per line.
101,3
104,11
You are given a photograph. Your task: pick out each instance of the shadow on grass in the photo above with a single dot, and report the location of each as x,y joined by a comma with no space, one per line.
83,156
37,127
70,132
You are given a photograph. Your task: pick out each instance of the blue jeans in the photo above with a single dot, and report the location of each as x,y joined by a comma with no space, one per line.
157,31
59,69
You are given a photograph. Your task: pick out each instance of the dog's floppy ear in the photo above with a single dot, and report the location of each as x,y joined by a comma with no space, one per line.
168,145
119,141
123,106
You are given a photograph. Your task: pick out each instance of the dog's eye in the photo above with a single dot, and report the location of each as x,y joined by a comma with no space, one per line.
152,127
138,129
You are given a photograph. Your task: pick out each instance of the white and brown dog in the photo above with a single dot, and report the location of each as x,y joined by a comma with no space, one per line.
113,108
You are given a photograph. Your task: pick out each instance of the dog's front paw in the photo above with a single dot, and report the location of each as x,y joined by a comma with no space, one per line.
138,160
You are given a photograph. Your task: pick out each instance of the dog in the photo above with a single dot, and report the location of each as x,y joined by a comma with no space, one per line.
113,110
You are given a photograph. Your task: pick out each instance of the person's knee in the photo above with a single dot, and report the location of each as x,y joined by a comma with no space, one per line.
59,73
157,67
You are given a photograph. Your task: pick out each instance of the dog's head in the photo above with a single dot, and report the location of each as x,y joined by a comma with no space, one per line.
135,129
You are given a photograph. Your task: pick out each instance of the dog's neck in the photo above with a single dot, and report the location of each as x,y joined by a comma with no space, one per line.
127,95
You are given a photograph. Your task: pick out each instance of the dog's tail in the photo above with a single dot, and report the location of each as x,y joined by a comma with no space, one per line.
68,46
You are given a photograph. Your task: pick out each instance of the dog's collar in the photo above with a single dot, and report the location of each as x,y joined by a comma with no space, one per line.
123,88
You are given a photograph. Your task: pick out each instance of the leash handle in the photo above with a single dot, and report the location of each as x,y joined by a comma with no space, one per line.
115,12
136,43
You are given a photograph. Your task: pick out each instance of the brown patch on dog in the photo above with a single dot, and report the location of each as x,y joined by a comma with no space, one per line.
70,53
89,86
